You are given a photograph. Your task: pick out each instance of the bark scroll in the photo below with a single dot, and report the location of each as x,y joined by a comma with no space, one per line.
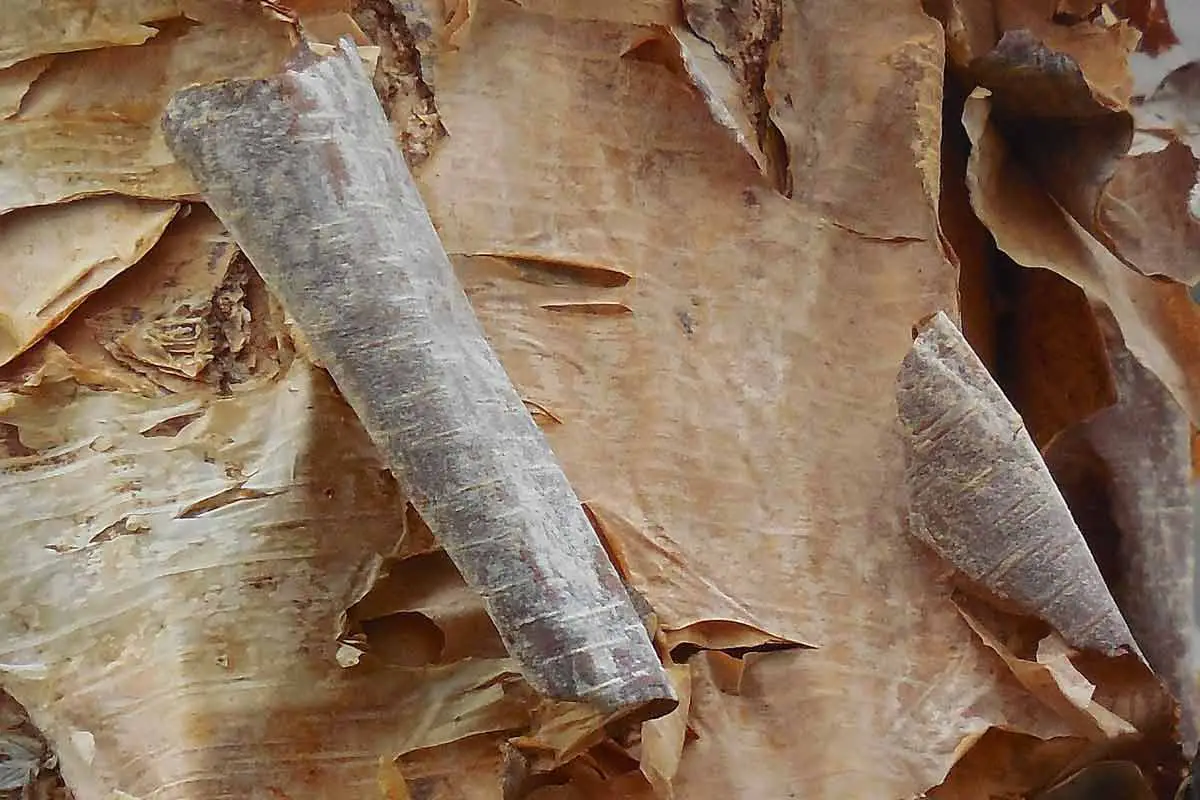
303,170
982,497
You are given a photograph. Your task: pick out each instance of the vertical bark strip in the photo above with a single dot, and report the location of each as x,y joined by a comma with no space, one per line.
981,496
303,170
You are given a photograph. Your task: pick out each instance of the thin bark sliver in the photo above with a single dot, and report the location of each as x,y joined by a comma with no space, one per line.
303,170
981,496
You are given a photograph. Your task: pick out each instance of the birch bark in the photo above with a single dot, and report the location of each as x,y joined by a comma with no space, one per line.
982,497
303,170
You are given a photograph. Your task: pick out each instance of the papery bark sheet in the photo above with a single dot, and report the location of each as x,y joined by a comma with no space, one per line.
303,170
981,496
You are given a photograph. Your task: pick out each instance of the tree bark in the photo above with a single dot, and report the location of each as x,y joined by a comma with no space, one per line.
982,497
303,170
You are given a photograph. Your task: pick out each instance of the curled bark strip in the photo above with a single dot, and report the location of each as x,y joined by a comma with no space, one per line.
303,170
1135,458
982,498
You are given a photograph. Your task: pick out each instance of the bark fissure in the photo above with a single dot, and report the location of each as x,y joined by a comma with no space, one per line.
399,80
743,34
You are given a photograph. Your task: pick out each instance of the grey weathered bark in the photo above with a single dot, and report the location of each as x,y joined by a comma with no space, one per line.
981,495
303,170
1143,445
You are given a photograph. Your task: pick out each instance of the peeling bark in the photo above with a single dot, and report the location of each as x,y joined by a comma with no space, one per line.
402,80
303,170
982,498
742,34
1142,451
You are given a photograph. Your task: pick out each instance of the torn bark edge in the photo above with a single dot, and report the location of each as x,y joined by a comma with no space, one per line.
303,170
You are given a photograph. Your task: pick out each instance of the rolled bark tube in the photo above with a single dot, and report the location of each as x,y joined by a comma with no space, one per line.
982,497
303,170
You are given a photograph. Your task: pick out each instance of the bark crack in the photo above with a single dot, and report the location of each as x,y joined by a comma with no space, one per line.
743,33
